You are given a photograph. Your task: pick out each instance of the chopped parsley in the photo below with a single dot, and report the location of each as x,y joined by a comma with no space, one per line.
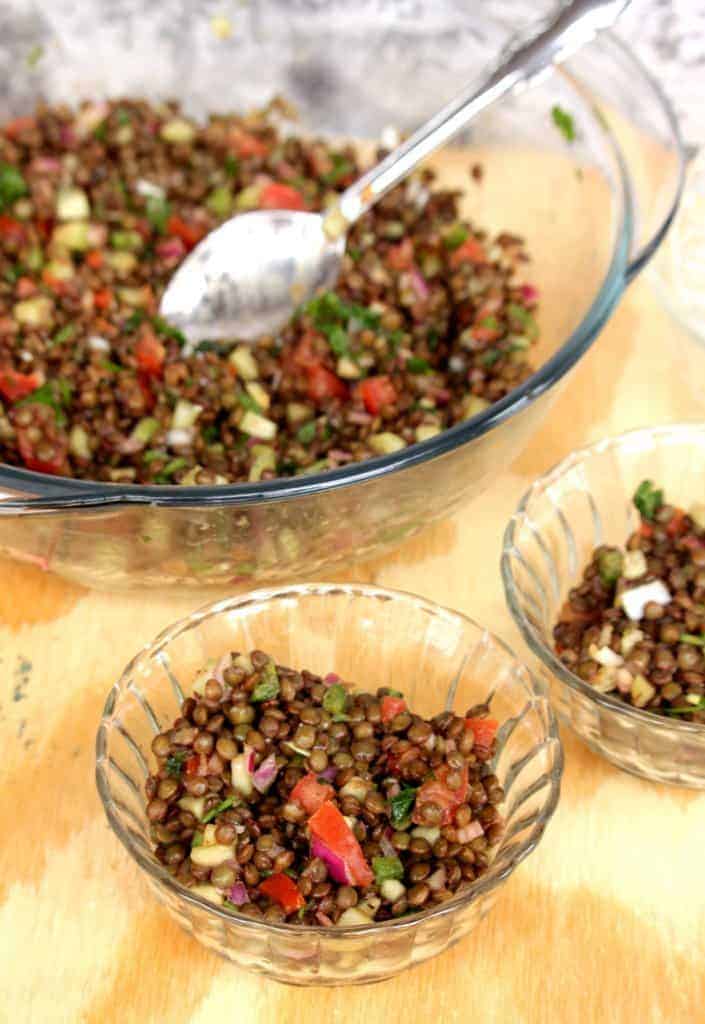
647,499
307,432
163,327
342,167
248,402
335,700
210,433
54,393
700,706
175,763
400,806
454,238
12,184
134,320
414,364
215,811
387,867
337,339
108,364
691,638
564,123
524,318
490,357
172,467
232,166
65,334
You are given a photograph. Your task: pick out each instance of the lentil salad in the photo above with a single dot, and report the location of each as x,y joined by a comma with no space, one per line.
289,797
635,625
431,322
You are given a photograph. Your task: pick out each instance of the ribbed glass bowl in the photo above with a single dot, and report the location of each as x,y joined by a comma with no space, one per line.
583,502
439,658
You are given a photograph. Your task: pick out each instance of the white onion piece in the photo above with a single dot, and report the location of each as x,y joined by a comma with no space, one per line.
98,344
149,189
180,438
634,601
605,656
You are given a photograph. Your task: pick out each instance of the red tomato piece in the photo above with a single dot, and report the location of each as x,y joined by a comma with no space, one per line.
304,354
150,353
376,393
471,251
401,257
646,529
245,144
145,387
94,259
103,298
323,384
25,287
329,825
676,524
193,765
189,234
14,385
436,790
390,707
280,197
310,793
484,730
11,230
55,465
283,890
13,129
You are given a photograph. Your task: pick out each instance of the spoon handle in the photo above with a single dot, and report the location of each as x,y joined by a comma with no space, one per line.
576,24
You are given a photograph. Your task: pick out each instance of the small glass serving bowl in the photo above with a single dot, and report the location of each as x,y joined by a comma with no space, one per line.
585,501
377,637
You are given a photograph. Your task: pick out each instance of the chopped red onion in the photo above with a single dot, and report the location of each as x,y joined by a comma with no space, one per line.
386,847
328,773
469,832
221,667
418,283
337,868
265,774
331,679
170,249
238,894
529,293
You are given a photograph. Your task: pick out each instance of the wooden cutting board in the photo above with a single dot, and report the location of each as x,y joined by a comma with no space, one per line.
605,922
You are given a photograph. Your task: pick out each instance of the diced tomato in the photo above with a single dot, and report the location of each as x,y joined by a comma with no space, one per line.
11,230
310,793
14,385
482,333
304,354
57,464
245,144
323,384
94,259
471,251
149,352
103,298
280,197
436,790
376,393
145,387
45,227
193,764
484,730
190,234
676,524
400,257
390,707
25,287
645,529
283,890
693,543
329,825
57,284
13,129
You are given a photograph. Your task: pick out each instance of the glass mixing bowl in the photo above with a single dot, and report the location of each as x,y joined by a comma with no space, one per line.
374,637
592,213
585,501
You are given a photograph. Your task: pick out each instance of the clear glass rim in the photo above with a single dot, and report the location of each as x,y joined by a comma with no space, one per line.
511,590
58,493
485,884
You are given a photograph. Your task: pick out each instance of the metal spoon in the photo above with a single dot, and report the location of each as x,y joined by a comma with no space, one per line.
245,279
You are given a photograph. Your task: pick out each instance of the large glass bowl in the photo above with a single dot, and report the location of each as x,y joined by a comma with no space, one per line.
374,637
592,213
583,502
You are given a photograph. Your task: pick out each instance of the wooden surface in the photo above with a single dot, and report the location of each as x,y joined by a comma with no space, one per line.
605,922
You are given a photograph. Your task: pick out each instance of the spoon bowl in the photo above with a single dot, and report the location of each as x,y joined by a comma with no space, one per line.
243,280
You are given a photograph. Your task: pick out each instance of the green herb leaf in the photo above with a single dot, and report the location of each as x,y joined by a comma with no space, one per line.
175,763
158,211
337,339
389,692
172,467
164,328
564,123
454,238
13,274
400,806
248,402
210,433
197,840
335,700
691,638
268,686
301,911
123,116
387,867
232,166
101,132
609,566
432,339
54,393
700,706
153,455
647,499
108,364
524,318
12,184
215,811
134,320
490,357
341,168
307,432
66,332
416,365
354,253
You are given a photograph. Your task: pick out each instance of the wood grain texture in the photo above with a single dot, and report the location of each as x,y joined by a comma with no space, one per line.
605,922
